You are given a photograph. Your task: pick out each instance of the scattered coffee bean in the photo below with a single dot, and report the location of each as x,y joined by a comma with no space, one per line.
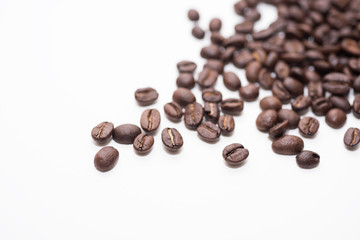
294,86
315,90
235,154
193,15
150,120
227,54
266,120
249,93
185,80
106,159
301,104
270,102
210,52
279,129
242,59
244,27
173,111
308,126
186,66
279,91
232,106
198,32
356,106
215,25
209,132
321,106
335,118
265,79
143,143
288,145
212,111
282,70
226,124
207,78
102,132
340,102
194,114
252,71
237,40
126,133
352,137
337,83
308,159
146,96
183,97
217,38
211,95
231,81
356,84
290,115
215,64
172,139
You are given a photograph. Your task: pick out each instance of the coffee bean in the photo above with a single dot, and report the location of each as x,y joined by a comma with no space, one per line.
321,106
172,139
232,106
356,84
126,133
143,143
173,111
278,90
102,132
266,120
288,145
335,118
240,7
293,57
211,95
193,116
337,83
183,96
207,78
308,126
198,32
215,64
235,154
356,106
312,76
290,115
265,79
244,27
314,55
186,66
301,104
150,120
208,132
270,102
252,71
294,86
226,124
294,46
215,25
210,52
350,46
260,55
315,89
242,58
231,81
146,96
352,137
237,40
308,159
217,38
251,15
249,93
279,129
185,80
282,70
298,74
354,64
212,111
106,159
227,54
193,15
272,59
340,102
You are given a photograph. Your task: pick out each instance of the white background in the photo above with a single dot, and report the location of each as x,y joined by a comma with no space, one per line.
67,65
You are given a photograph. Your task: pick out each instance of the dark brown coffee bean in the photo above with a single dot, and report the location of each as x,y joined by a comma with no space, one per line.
102,132
106,159
217,38
354,64
337,83
212,111
237,40
207,78
294,86
279,91
350,46
294,46
235,154
143,143
252,71
243,58
265,80
293,57
231,81
301,104
240,7
352,137
173,111
282,70
279,129
288,145
183,96
322,66
193,116
340,102
260,55
172,139
308,126
146,96
215,64
227,54
312,76
335,118
210,52
356,106
298,74
321,106
198,32
215,25
211,95
249,93
314,55
270,102
185,80
264,34
232,106
226,124
356,84
126,133
193,15
308,159
209,132
315,90
266,120
150,120
253,45
290,115
271,59
186,66
244,27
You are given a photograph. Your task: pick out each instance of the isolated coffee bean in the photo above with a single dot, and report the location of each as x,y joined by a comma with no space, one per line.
270,102
337,83
215,25
215,64
288,145
301,104
290,115
186,66
207,78
126,133
231,81
150,120
173,111
279,91
249,93
208,132
352,137
308,126
321,106
335,118
226,124
106,159
185,80
315,89
146,96
252,71
244,27
183,96
232,106
210,52
172,139
211,95
193,116
340,102
282,70
279,129
212,111
193,15
266,120
102,132
143,143
265,80
294,86
198,32
235,154
308,159
356,106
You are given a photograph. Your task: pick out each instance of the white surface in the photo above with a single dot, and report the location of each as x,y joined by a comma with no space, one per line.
65,66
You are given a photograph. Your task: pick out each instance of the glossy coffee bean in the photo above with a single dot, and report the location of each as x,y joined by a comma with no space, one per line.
352,137
126,133
290,115
143,143
340,102
210,52
193,116
150,120
335,118
226,124
279,129
227,54
207,78
265,79
185,80
244,27
172,139
146,96
183,96
308,159
260,55
231,81
288,145
337,83
249,93
266,120
235,154
270,102
321,106
308,126
198,32
173,111
193,15
301,104
295,87
232,106
215,64
315,90
243,58
252,71
279,91
212,111
215,25
186,66
356,106
208,132
106,159
211,95
102,132
282,70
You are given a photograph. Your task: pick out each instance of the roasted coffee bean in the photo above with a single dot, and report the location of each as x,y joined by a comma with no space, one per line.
288,145
308,159
308,126
237,40
126,133
244,27
315,90
215,25
235,154
272,59
232,106
290,115
212,111
242,58
249,93
106,159
279,129
264,34
240,7
198,32
278,90
215,64
340,102
186,66
193,116
356,84
227,54
173,111
208,132
314,55
282,70
312,76
350,46
143,143
252,71
146,96
211,95
266,120
337,83
265,79
335,118
102,132
294,46
322,66
321,106
298,74
183,97
210,52
217,38
354,64
231,81
352,137
301,104
294,86
251,15
193,15
207,78
270,102
226,124
172,139
185,80
356,106
260,55
150,120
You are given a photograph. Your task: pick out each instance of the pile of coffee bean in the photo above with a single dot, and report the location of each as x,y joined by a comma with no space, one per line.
309,58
